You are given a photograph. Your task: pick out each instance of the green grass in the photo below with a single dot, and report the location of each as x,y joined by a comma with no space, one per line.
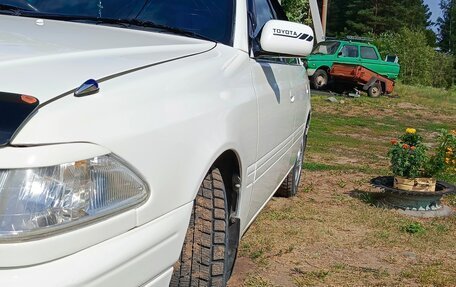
314,166
436,99
414,228
351,130
257,281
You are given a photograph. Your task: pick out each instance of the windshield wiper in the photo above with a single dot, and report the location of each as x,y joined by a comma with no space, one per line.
173,30
126,23
14,10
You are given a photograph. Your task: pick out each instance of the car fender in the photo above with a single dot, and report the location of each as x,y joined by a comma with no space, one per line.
140,115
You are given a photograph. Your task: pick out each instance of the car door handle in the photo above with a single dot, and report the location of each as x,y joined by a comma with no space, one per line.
292,98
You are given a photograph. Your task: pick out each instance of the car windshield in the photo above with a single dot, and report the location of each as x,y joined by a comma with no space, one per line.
212,19
326,48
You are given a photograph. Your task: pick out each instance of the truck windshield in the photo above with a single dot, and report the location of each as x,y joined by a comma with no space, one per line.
211,19
326,48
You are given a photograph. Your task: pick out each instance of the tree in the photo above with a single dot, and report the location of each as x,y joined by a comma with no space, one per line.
297,10
420,63
361,17
447,26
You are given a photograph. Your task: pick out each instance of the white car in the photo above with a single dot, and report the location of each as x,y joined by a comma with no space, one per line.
137,134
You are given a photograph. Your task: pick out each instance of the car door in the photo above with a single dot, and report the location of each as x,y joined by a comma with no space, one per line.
300,88
271,78
371,60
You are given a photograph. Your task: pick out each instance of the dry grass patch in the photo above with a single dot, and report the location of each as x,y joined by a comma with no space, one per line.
334,233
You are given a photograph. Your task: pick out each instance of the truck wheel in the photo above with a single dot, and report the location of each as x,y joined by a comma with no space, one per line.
203,260
375,90
320,79
290,184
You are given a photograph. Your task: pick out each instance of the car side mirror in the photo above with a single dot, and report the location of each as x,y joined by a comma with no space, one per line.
287,38
340,54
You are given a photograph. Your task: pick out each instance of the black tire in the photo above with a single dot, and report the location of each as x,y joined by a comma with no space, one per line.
320,79
203,259
290,184
375,90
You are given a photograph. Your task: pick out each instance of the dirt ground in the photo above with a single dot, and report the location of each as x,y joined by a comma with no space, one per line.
333,233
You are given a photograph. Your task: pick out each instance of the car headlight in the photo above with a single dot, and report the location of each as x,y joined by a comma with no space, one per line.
52,199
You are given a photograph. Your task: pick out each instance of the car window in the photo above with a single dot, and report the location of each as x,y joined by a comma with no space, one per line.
263,13
278,10
350,51
212,19
326,48
368,53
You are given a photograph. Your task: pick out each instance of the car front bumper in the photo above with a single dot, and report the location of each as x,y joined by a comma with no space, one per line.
143,256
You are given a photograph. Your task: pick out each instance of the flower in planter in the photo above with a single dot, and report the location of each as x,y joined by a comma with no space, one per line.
444,158
408,154
410,131
410,159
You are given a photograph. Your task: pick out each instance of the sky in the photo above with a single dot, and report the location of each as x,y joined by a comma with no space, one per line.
435,8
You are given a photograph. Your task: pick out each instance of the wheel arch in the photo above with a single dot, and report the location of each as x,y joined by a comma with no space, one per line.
229,164
325,68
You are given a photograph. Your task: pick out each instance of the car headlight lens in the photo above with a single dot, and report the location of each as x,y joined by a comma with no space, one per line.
50,199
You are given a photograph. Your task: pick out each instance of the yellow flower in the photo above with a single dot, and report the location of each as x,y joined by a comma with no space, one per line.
410,131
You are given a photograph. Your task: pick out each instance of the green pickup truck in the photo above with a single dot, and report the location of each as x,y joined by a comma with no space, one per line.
326,53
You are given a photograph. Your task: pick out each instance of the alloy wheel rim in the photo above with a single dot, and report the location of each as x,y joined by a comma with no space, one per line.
298,169
320,81
375,91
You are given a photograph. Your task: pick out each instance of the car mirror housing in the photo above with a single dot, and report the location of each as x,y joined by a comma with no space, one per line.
287,38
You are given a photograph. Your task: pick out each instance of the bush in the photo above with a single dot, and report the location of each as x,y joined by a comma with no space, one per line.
420,63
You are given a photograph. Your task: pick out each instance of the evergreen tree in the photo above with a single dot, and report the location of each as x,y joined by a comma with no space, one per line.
360,17
447,26
337,17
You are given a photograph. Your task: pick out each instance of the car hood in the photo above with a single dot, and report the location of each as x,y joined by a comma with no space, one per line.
47,58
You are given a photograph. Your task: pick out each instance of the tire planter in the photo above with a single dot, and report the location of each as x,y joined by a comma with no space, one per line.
415,184
410,199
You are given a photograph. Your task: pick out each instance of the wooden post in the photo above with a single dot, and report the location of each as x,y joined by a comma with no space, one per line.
316,19
324,15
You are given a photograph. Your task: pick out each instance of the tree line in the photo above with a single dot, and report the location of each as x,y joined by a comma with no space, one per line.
401,27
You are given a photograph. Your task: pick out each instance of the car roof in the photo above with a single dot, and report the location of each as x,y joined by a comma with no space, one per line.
350,42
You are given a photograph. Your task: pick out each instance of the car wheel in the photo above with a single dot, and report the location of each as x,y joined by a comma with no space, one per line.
375,90
289,186
320,79
203,260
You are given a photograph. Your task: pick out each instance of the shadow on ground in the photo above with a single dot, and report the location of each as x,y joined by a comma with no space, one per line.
368,197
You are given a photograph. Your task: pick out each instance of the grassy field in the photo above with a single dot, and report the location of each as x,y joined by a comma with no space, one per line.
331,234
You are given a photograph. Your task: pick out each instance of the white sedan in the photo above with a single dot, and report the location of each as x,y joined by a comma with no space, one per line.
140,139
